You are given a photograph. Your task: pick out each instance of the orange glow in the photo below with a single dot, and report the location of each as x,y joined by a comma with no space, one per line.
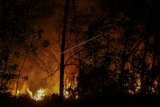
17,93
138,82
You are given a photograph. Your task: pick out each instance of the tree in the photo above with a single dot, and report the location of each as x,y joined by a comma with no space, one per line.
131,43
19,35
63,48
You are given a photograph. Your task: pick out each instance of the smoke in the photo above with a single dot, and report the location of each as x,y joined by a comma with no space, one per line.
42,70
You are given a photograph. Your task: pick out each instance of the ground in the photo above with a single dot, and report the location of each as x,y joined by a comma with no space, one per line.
94,101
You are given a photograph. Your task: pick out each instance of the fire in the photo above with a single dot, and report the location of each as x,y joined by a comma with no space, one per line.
30,93
40,94
70,89
17,93
66,94
138,87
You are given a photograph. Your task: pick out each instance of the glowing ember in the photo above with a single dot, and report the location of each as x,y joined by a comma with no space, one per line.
77,96
154,86
138,88
39,94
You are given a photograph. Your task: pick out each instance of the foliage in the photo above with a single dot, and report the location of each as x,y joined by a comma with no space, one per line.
19,35
121,51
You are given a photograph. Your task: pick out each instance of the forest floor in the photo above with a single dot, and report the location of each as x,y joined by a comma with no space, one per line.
94,101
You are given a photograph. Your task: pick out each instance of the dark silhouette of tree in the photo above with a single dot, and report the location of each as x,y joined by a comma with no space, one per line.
138,24
65,20
19,35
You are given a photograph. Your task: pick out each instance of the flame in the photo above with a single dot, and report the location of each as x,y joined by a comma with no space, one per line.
40,94
66,94
70,89
17,94
30,93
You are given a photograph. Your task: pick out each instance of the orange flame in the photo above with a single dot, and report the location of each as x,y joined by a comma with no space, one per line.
39,95
70,89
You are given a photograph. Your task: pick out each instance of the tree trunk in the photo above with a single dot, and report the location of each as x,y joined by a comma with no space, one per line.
63,48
